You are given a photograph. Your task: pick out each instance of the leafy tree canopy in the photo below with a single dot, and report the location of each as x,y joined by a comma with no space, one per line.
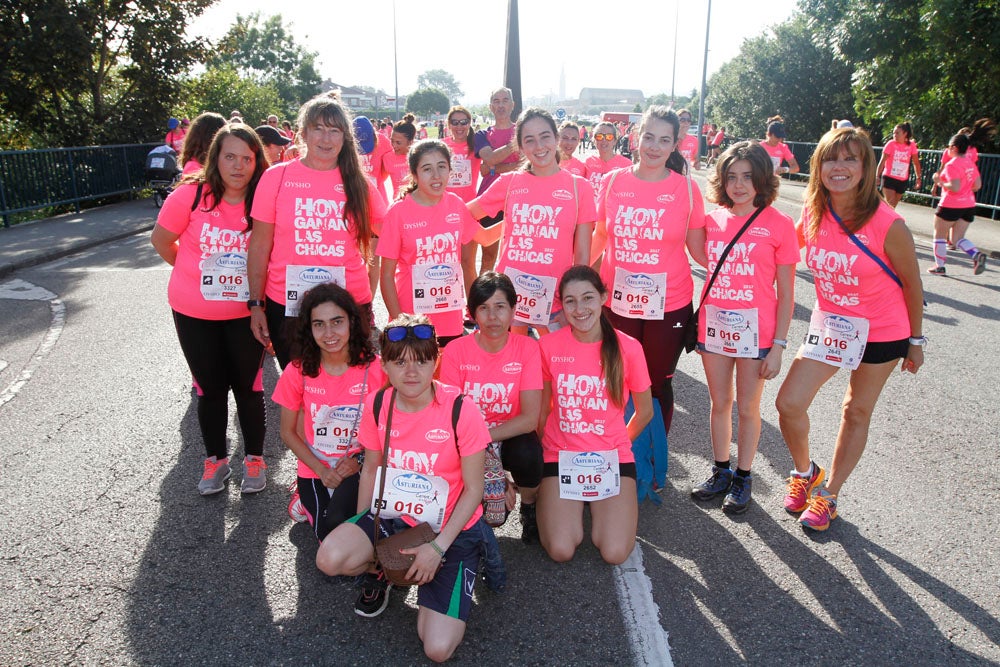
427,102
222,89
440,80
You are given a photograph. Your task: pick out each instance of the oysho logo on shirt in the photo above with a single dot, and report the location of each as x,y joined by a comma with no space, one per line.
414,225
437,435
563,360
519,191
563,195
468,367
513,368
297,184
315,390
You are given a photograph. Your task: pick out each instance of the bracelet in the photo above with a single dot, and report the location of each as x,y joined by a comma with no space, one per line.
781,342
434,545
919,341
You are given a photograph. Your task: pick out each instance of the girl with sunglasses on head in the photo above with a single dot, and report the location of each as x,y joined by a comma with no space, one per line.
321,395
605,139
422,243
589,372
547,223
423,443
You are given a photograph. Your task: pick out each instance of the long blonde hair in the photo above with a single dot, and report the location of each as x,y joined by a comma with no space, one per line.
817,199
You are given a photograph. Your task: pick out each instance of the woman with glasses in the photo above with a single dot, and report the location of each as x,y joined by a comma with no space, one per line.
687,144
464,178
606,160
314,218
444,456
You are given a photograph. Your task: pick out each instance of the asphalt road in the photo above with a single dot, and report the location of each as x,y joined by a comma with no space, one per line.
109,555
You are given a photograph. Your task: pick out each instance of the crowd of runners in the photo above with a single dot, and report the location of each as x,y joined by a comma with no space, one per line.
538,305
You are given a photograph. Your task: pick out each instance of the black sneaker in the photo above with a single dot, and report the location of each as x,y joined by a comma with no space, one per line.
738,499
529,524
374,595
718,483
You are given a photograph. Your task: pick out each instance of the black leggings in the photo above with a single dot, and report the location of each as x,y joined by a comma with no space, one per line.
224,355
281,328
662,342
522,457
327,511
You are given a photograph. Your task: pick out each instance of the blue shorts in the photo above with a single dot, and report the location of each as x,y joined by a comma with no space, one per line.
450,591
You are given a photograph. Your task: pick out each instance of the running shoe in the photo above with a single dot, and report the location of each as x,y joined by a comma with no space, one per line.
374,595
213,479
529,524
800,487
952,246
717,484
821,511
296,509
254,477
738,499
936,270
979,263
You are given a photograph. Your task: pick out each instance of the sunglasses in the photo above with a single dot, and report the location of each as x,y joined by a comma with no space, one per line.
464,121
418,331
604,137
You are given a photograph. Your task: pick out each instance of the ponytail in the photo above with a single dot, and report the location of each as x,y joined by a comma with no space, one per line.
611,362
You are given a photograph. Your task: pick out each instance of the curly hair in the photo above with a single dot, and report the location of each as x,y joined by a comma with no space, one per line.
360,350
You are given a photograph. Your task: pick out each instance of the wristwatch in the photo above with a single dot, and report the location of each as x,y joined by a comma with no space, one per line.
255,302
919,341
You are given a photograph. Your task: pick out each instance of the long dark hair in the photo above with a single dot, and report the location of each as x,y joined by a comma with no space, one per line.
210,176
529,114
765,182
611,352
417,151
675,161
199,137
360,350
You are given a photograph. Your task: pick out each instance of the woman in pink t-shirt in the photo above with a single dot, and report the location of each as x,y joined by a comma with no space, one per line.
464,179
647,215
202,232
589,372
198,139
959,182
606,160
423,240
775,146
747,312
687,145
547,224
314,219
503,374
394,162
438,459
893,168
864,320
569,139
321,394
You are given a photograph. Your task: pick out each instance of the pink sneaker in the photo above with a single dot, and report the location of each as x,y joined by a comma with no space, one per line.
296,510
821,511
254,477
801,488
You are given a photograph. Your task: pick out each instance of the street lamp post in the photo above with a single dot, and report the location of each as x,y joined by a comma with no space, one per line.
704,73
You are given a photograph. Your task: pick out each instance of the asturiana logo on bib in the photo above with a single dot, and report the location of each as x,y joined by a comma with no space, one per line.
640,281
513,368
529,283
563,195
232,260
345,413
838,323
315,275
411,482
440,272
729,317
588,460
437,435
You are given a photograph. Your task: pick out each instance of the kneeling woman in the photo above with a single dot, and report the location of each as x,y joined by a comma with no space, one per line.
450,457
588,371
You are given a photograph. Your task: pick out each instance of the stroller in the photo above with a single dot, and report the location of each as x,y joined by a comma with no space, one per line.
161,172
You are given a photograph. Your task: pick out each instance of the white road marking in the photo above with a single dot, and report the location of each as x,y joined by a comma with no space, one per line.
25,291
3,365
641,615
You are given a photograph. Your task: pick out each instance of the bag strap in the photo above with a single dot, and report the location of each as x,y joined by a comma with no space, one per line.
865,249
725,254
197,196
385,457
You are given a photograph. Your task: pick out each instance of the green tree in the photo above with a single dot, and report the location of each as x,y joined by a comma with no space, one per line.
427,102
222,89
440,80
785,73
264,50
91,71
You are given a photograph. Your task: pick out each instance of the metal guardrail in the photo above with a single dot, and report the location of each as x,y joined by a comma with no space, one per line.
34,179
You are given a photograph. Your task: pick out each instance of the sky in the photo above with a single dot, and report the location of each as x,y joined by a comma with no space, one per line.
594,45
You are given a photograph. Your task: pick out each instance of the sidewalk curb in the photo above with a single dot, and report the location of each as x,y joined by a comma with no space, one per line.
7,269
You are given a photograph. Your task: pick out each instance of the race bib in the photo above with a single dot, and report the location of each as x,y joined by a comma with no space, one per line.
837,340
461,171
334,431
900,167
224,277
535,295
589,475
407,493
437,288
732,332
776,162
301,279
639,296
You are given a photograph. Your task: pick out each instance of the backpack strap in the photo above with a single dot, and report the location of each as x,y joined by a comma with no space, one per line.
197,196
456,412
377,405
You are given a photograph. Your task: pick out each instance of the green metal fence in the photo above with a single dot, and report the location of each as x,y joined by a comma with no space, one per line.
35,179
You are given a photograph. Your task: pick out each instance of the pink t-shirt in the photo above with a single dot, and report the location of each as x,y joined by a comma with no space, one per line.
190,167
574,166
747,279
338,397
424,442
202,234
493,380
464,179
398,170
966,172
647,225
849,282
688,148
541,214
175,139
372,163
719,137
779,153
306,207
897,159
583,418
495,138
596,168
414,234
972,153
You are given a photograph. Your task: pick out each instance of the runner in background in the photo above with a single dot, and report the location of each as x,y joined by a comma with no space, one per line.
863,319
175,135
202,232
394,162
569,139
893,170
464,178
198,140
959,181
775,146
687,144
371,149
605,138
497,149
